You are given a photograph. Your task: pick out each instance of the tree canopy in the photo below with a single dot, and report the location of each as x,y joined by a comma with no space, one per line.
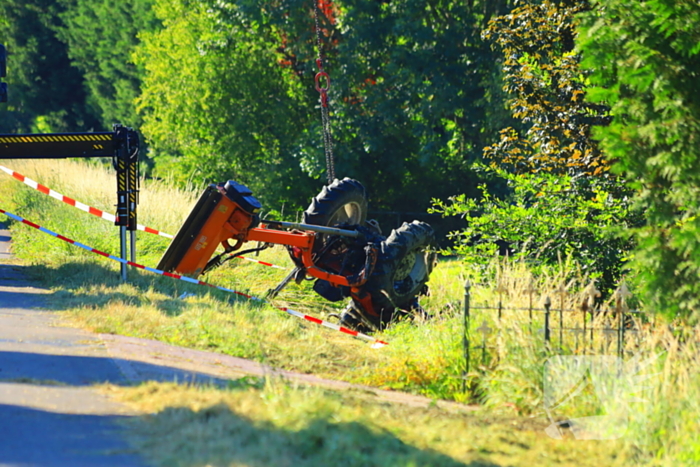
409,104
225,89
547,87
216,102
100,36
46,91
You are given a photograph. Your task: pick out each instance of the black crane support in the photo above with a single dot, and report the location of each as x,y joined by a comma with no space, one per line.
126,150
57,145
122,145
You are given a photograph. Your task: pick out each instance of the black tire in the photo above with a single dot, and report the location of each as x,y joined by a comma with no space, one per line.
402,270
342,202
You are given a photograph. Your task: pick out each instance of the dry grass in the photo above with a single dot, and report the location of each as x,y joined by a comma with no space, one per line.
160,206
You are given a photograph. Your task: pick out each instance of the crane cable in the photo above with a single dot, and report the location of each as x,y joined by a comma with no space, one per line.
323,88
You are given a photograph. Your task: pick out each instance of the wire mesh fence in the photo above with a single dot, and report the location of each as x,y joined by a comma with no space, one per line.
589,328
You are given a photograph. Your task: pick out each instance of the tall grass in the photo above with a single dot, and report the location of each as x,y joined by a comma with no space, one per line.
663,426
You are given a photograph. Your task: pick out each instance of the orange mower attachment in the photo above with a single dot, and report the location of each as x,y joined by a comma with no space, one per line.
346,255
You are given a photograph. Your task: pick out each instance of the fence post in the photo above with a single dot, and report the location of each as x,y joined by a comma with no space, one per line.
547,306
588,305
500,290
561,326
485,330
561,329
584,310
465,340
618,312
530,290
622,334
562,296
621,295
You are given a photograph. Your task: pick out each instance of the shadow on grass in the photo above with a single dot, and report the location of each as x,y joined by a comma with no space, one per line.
214,436
75,278
218,436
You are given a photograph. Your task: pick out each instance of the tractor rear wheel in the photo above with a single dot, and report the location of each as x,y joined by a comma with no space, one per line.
402,270
342,202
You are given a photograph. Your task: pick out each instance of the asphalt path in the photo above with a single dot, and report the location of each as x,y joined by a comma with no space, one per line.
49,413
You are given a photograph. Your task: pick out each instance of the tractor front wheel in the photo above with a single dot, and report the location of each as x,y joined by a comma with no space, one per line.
342,202
402,270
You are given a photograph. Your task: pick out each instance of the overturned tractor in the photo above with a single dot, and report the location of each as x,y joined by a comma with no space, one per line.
336,245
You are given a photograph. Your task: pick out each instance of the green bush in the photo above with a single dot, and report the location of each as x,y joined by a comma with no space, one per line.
547,218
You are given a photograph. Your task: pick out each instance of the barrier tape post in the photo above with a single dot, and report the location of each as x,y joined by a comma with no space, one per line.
132,150
376,343
126,165
122,217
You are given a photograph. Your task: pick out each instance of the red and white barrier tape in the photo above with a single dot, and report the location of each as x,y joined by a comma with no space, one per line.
83,207
264,263
376,343
99,213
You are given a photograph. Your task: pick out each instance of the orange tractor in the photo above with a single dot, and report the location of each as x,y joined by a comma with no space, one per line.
335,245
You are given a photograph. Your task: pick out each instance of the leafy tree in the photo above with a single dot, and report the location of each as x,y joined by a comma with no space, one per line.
560,200
410,97
645,61
100,36
547,88
415,107
217,104
410,102
46,92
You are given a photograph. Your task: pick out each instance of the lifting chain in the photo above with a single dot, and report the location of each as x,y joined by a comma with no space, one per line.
323,83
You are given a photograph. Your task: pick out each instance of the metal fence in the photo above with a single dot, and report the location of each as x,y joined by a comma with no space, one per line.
589,328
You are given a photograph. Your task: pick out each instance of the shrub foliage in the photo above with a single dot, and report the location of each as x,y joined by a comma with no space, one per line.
645,63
